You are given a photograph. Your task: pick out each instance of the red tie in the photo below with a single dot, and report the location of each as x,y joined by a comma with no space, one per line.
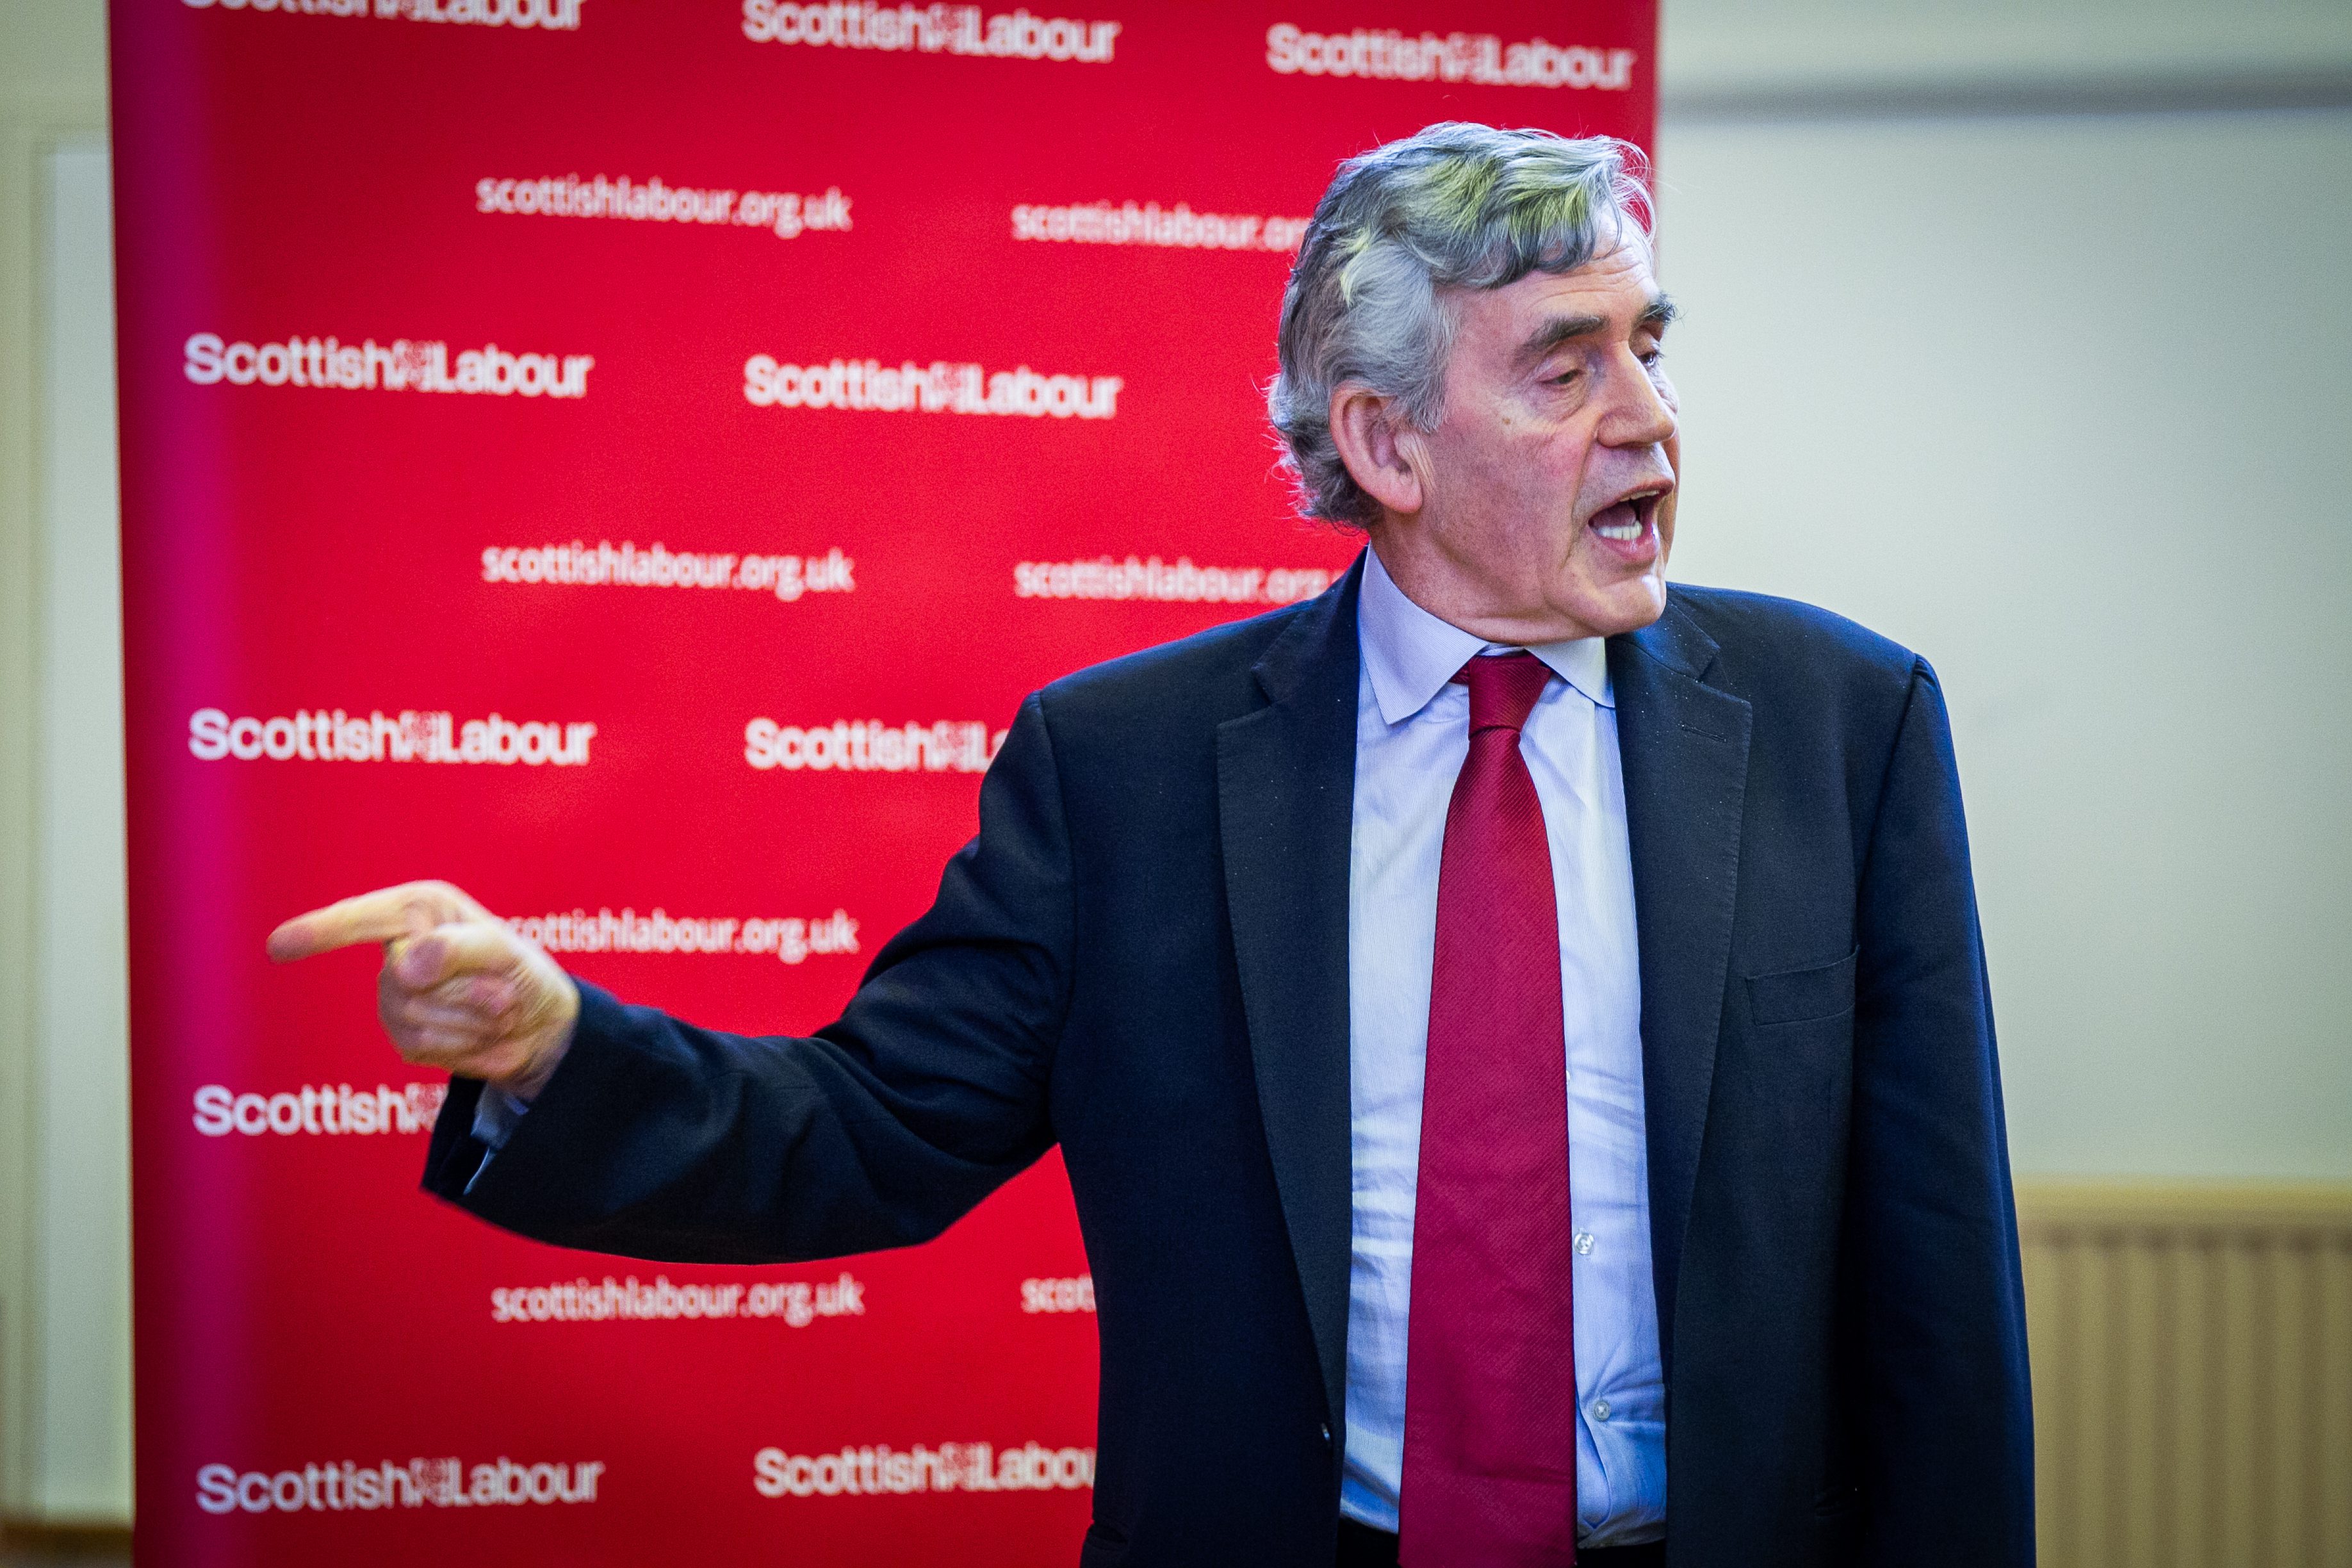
1490,1346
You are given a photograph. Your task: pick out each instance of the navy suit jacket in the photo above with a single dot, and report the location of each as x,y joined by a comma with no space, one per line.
1143,957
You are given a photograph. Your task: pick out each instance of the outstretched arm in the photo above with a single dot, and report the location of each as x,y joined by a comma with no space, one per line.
650,1137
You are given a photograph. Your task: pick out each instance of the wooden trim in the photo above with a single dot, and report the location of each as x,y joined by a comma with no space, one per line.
2048,1206
66,1540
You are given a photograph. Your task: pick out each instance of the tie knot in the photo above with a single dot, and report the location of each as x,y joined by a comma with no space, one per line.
1502,689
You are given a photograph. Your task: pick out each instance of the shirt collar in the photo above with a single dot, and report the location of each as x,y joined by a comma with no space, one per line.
1410,654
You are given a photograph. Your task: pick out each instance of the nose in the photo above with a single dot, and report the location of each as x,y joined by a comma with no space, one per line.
1639,414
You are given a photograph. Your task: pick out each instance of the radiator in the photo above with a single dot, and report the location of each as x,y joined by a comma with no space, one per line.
2192,1374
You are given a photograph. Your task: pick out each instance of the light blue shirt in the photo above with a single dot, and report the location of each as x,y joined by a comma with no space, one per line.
1413,731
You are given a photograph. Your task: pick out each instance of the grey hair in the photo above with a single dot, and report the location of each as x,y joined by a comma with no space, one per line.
1455,206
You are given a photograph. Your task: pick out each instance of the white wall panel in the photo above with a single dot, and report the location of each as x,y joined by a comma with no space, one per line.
81,1465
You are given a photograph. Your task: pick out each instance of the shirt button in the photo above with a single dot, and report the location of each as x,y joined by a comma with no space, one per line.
1600,1410
1584,1242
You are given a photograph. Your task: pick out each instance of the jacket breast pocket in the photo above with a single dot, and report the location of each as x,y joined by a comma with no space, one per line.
1801,995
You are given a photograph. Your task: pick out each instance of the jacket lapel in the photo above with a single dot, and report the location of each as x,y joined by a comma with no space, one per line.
1285,793
1684,749
1286,780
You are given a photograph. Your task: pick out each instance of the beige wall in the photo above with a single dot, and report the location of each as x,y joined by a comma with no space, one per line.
2063,402
1985,381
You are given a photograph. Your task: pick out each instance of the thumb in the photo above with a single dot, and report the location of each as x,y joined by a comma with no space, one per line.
454,950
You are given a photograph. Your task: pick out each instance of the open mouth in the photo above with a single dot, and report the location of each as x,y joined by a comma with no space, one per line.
1629,520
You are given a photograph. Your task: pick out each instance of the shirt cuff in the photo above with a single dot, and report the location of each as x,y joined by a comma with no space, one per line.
495,1116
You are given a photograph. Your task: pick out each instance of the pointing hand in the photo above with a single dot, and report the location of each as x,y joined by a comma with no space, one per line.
460,990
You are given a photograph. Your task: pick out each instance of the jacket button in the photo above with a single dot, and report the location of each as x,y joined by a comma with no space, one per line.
1327,1433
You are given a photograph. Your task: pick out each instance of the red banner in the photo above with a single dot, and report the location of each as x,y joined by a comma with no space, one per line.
630,460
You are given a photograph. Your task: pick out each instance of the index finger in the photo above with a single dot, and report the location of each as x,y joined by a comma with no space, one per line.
386,915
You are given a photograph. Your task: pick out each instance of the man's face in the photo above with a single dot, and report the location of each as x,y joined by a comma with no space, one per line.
1548,485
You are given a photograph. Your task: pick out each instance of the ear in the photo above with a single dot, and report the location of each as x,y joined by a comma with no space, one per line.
1381,449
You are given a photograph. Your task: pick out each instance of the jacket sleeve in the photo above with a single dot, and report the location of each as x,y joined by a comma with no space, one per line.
1948,1464
659,1139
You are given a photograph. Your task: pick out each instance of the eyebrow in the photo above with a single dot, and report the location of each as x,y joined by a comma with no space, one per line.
1562,329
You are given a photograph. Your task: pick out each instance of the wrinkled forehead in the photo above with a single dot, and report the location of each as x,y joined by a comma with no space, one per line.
1617,289
1622,253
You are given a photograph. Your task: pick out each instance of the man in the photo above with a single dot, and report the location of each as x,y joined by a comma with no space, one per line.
1517,1035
